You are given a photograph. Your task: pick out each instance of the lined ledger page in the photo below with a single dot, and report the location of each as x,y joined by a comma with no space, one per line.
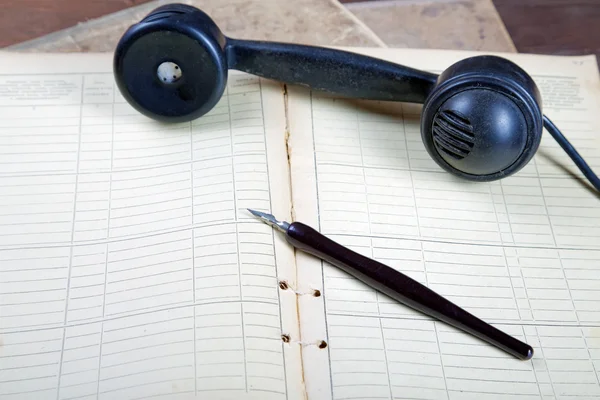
522,253
129,266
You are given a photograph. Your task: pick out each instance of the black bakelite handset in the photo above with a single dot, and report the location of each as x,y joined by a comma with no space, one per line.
481,120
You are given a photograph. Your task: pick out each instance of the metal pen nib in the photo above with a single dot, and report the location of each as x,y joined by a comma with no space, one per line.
269,219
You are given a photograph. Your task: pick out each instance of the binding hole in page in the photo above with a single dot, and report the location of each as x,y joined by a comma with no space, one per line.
319,343
283,285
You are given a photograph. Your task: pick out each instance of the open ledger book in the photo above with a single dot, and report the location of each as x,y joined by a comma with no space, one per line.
130,268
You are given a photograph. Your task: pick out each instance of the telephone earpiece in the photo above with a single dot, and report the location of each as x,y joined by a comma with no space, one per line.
481,119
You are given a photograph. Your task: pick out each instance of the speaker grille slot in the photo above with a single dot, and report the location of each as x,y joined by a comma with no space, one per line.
453,134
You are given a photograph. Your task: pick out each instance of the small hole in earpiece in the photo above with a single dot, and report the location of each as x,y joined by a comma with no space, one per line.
317,293
283,285
169,72
322,344
285,338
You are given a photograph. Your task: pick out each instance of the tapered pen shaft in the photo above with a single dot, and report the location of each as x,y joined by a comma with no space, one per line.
394,284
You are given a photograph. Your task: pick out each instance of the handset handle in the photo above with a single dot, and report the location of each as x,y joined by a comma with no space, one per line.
339,72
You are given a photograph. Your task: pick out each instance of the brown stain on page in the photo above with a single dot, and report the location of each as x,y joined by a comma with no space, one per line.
288,149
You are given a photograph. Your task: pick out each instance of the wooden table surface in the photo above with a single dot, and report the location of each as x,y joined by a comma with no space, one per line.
534,26
420,24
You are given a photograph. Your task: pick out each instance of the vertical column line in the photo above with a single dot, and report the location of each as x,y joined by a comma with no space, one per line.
62,351
366,191
437,339
412,185
322,263
537,382
112,146
387,366
589,355
193,256
262,108
503,251
537,334
237,238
